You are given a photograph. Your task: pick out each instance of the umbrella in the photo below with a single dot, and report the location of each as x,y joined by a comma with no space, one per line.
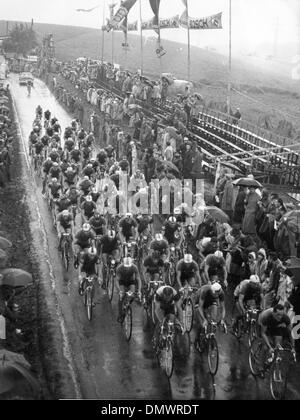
247,182
217,214
14,370
231,166
4,243
168,165
14,277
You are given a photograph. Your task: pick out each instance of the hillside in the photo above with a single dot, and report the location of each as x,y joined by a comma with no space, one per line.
262,87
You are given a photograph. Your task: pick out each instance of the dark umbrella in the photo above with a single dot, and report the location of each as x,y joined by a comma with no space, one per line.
217,214
231,166
168,165
14,370
14,277
247,182
5,243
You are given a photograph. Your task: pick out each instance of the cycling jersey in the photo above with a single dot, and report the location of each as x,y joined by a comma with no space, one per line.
66,222
188,271
55,172
110,151
160,246
98,225
86,152
89,264
95,196
63,205
274,327
47,115
54,156
83,239
126,227
109,245
75,155
47,166
45,140
38,147
153,267
70,177
127,275
167,306
73,197
88,208
216,265
169,232
88,171
144,223
251,291
101,157
69,145
55,189
208,297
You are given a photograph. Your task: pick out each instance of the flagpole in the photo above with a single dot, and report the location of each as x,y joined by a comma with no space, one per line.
103,31
230,59
142,43
189,41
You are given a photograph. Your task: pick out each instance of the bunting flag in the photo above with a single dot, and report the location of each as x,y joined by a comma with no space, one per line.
209,22
155,8
124,28
87,10
120,15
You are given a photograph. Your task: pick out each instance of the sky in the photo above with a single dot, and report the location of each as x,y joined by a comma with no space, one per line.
256,24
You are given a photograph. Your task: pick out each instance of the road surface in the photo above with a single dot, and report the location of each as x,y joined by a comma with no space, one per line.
106,366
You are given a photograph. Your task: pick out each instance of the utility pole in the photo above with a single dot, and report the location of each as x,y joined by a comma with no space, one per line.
230,60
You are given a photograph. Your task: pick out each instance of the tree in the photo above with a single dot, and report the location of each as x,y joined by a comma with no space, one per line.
22,39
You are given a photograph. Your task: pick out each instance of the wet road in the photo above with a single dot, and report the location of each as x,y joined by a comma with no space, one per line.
106,366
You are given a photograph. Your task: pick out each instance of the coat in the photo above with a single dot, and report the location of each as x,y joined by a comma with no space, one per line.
249,225
227,198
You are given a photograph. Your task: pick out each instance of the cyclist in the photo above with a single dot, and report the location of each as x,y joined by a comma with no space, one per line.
45,140
160,245
128,228
85,185
29,86
65,224
172,232
98,224
144,224
127,279
88,208
69,146
84,239
73,195
275,328
214,263
33,139
249,294
110,247
54,189
63,203
55,171
37,152
89,267
54,155
47,115
166,300
154,266
75,154
46,169
70,178
39,111
211,302
88,170
187,272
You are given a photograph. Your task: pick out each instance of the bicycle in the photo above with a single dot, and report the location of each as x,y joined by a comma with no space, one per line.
247,324
279,367
89,291
188,307
172,266
65,249
208,342
148,298
127,314
110,276
38,164
165,345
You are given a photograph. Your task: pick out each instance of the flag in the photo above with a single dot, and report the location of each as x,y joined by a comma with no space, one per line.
209,22
155,8
185,3
120,15
87,10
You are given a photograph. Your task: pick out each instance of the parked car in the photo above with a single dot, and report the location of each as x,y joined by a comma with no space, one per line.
24,78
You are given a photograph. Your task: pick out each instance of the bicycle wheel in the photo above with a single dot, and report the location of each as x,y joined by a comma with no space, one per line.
213,356
256,357
252,333
188,315
89,303
128,323
278,380
66,257
166,359
110,286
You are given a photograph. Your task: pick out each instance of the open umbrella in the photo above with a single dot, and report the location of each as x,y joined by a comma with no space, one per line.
5,243
231,166
247,182
168,165
14,277
217,214
14,373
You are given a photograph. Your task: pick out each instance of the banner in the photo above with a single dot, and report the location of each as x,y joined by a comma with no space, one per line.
120,15
210,22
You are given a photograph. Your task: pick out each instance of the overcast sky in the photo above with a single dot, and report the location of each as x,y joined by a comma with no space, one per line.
254,21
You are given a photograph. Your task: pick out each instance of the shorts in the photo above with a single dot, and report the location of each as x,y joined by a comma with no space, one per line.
278,332
127,283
